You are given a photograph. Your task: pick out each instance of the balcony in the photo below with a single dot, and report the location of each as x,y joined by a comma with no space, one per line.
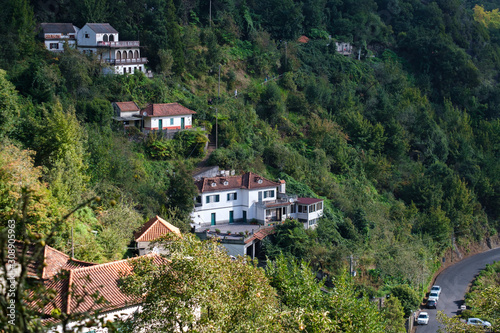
129,43
126,61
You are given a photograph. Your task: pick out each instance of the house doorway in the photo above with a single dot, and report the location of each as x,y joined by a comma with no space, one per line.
245,216
212,220
182,123
231,216
160,124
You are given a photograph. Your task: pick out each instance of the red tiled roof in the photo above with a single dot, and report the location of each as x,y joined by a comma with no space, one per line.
167,109
155,228
248,181
76,288
303,39
54,261
261,234
308,201
127,106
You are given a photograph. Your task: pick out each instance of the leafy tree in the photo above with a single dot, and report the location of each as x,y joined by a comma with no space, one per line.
289,238
9,106
61,146
407,296
174,38
199,277
394,315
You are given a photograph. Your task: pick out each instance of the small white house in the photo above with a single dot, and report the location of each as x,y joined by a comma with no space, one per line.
127,113
169,117
55,35
103,40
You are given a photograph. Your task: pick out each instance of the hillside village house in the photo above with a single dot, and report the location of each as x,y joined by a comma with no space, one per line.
103,40
152,230
55,35
100,39
250,197
81,280
169,117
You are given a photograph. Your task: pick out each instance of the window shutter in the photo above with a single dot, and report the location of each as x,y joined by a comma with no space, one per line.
228,196
208,198
217,198
235,195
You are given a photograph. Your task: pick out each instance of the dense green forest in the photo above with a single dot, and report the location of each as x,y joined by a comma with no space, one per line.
401,139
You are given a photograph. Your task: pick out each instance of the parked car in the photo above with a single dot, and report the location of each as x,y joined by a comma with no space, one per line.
478,322
431,304
436,289
423,318
433,295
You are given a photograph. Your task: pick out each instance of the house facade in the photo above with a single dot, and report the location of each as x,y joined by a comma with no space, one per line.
103,40
168,117
56,35
250,198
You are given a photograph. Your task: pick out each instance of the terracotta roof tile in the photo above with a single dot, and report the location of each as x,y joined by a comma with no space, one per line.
155,228
303,39
167,109
75,287
248,181
261,234
127,106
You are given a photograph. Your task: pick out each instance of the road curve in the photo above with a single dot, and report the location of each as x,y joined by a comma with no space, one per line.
454,281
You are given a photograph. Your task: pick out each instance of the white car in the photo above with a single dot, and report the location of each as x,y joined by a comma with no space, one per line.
478,322
434,296
436,289
423,318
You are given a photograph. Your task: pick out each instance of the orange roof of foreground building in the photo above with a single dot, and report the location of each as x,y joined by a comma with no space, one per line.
167,109
76,291
248,181
155,228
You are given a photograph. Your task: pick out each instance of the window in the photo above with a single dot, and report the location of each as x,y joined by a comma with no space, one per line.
232,196
87,35
171,121
212,198
311,208
54,46
294,209
313,221
269,194
302,209
319,206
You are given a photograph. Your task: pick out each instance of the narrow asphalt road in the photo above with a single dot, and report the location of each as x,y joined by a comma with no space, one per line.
454,281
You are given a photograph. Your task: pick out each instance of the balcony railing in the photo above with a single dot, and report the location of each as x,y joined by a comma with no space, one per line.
127,43
126,61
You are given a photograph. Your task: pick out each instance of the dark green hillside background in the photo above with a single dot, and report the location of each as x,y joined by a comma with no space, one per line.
401,138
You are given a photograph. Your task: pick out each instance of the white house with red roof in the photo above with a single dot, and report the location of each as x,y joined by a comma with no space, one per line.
168,117
152,230
250,198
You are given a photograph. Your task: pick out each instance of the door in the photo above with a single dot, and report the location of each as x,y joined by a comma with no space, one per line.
212,222
231,216
260,196
160,124
182,123
244,216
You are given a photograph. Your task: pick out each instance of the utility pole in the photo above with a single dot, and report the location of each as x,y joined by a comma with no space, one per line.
216,116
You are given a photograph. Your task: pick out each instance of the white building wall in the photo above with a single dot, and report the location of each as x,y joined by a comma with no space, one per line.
153,122
82,41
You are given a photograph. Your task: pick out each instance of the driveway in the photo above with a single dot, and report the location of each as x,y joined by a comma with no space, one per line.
454,281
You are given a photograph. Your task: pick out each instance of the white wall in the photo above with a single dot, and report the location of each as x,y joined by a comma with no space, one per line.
154,121
82,41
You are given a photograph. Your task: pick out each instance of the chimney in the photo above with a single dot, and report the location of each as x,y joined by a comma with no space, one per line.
282,188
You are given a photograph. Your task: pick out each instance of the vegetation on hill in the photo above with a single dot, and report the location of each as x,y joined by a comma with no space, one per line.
401,138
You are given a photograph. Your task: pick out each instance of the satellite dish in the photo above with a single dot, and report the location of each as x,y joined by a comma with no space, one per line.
144,113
